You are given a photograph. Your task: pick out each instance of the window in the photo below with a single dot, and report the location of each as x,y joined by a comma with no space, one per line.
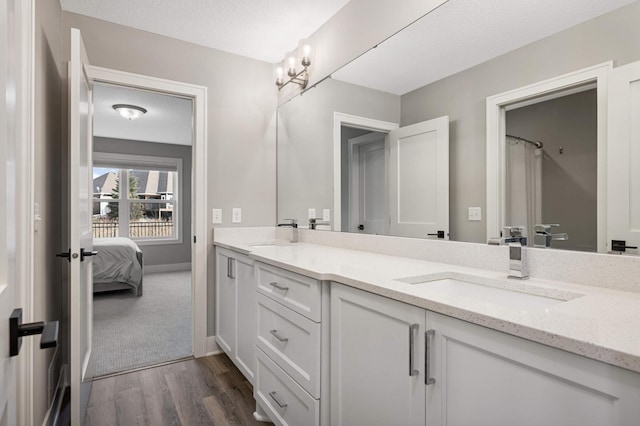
136,198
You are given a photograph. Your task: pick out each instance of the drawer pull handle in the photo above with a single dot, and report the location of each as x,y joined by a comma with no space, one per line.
274,396
278,286
413,329
275,334
428,380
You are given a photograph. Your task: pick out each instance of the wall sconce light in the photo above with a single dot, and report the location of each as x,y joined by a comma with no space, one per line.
300,78
130,112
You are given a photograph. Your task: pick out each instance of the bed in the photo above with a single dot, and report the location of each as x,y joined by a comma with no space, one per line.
118,265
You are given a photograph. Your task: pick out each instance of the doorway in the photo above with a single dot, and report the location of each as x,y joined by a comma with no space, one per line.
590,82
364,174
142,203
553,181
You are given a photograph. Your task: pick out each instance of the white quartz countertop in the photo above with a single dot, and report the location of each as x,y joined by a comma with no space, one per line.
598,323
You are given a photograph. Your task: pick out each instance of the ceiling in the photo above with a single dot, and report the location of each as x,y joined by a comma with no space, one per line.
259,29
461,34
168,118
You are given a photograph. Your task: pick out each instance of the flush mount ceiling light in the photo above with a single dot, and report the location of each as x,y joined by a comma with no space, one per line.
130,112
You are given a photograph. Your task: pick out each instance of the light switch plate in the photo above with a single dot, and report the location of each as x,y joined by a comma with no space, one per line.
326,215
236,215
475,213
312,213
216,216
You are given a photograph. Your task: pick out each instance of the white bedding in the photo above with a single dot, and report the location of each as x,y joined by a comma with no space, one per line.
117,261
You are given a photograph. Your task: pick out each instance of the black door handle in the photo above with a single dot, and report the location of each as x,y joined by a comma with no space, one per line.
361,227
620,245
439,234
84,254
66,254
17,331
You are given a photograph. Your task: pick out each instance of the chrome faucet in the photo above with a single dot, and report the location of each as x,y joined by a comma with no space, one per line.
315,221
515,237
542,236
294,229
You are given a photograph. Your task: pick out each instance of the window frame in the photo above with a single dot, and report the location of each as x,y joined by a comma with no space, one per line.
126,162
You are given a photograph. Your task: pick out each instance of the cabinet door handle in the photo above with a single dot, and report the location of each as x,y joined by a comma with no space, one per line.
413,329
275,334
232,273
278,286
428,380
228,267
274,396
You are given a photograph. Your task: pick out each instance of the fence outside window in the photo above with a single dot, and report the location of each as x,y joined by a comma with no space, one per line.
106,228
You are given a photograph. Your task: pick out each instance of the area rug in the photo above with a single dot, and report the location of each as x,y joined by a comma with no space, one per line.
130,332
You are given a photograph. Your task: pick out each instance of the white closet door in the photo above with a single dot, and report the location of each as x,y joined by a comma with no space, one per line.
419,179
623,160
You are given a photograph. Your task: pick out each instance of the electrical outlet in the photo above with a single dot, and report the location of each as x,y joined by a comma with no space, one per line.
216,216
312,213
475,213
236,215
326,215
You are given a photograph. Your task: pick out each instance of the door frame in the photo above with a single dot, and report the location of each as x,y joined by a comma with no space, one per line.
563,85
198,190
339,120
353,152
24,152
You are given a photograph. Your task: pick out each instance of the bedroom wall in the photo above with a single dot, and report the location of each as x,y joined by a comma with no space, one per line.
160,254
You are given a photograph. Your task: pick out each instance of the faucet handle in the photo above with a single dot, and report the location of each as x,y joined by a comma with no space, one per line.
514,231
542,228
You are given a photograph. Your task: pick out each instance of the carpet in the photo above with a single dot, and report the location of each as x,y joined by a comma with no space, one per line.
131,332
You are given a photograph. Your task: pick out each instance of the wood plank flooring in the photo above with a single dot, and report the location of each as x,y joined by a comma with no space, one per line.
203,391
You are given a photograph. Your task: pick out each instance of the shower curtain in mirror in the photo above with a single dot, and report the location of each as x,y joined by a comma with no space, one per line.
523,185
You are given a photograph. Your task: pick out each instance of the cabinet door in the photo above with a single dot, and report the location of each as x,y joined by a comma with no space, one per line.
484,377
225,301
245,316
373,381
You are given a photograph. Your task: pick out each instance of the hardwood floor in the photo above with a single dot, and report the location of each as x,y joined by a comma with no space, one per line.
203,391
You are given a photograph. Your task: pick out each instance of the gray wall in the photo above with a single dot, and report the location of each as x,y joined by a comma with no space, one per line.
160,254
305,142
569,180
614,36
50,180
240,122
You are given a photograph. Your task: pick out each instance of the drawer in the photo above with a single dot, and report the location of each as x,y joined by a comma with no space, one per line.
300,293
283,399
291,341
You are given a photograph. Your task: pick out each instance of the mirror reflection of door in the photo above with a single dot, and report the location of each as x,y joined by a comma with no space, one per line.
367,184
557,182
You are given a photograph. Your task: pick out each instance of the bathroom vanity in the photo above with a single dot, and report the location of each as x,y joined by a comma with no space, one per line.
348,336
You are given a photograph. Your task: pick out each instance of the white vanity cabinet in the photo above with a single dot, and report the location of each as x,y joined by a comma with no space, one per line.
377,345
236,309
479,376
289,346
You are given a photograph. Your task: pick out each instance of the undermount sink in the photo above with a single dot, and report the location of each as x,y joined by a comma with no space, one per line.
512,294
260,245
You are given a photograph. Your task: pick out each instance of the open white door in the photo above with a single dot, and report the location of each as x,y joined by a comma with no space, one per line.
367,184
623,159
80,234
419,179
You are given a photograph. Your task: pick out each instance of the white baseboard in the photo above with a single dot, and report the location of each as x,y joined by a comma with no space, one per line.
170,267
212,346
